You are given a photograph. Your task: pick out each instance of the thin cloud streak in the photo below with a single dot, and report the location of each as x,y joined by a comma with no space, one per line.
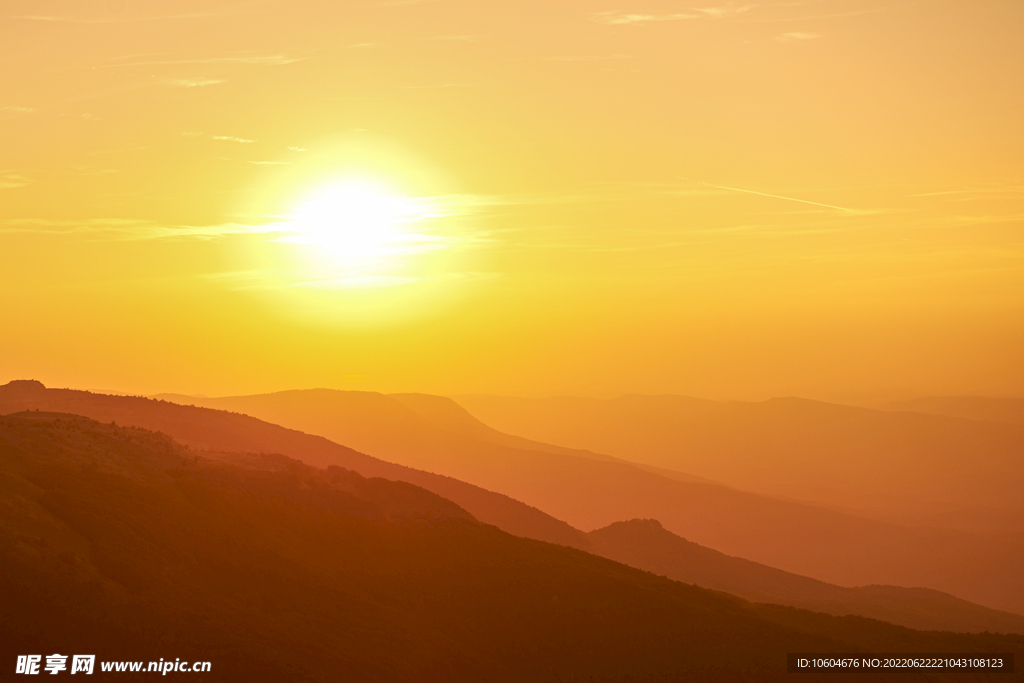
232,138
724,12
797,37
195,82
980,191
119,229
11,179
790,199
617,18
279,228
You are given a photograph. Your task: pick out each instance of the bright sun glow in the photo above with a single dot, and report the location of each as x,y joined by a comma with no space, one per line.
359,226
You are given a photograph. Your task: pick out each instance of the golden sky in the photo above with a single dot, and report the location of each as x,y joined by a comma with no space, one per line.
821,198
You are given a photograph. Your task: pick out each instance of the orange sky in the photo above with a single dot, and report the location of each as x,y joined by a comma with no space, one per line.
821,198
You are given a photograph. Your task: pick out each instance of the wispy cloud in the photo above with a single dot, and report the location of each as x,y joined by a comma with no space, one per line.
270,163
361,46
621,18
1002,188
789,199
12,179
17,110
796,37
624,18
724,12
129,229
432,209
232,138
194,82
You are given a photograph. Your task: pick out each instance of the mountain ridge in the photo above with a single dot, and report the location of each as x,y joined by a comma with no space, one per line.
646,544
121,541
989,409
797,536
799,449
548,528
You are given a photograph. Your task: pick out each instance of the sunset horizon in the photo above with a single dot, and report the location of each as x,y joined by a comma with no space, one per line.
737,201
432,340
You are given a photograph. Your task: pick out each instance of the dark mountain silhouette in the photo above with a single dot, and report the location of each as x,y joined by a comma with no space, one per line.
590,491
902,467
218,430
1009,410
703,507
122,542
644,543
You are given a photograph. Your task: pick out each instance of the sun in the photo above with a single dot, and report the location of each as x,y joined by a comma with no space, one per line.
361,236
358,225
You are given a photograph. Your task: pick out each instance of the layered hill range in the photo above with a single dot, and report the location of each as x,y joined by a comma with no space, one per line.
827,539
907,467
444,436
126,543
1009,410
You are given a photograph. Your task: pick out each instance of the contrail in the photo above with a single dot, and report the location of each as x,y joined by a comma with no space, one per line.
776,196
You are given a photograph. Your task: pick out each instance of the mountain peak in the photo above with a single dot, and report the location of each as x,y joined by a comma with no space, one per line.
24,385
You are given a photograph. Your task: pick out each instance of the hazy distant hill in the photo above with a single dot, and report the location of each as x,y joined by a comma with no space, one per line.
590,491
644,543
903,467
441,411
1009,410
120,542
220,430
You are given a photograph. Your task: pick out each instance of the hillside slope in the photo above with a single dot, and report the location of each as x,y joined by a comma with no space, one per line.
908,468
590,492
1008,410
219,430
644,543
121,542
